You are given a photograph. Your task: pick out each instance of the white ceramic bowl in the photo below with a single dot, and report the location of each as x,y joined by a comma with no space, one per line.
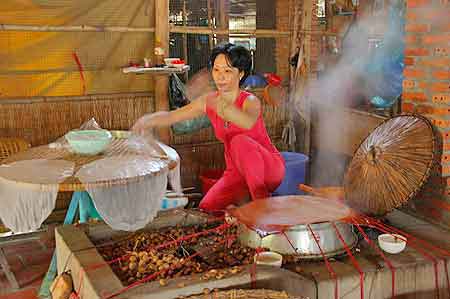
269,258
392,243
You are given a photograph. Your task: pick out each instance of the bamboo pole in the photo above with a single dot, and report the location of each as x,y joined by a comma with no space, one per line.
162,82
254,32
223,10
210,24
96,97
173,28
77,28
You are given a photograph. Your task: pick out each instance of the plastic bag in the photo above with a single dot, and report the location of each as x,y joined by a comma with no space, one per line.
61,142
177,99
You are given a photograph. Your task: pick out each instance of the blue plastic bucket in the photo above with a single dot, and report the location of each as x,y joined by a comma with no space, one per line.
296,167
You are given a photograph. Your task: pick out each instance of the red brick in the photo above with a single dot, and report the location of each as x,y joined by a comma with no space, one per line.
440,87
445,159
436,39
409,72
423,208
22,294
417,3
441,51
441,75
411,39
414,96
433,14
407,107
440,204
435,62
408,60
417,28
441,98
416,52
422,84
445,135
442,122
411,16
430,109
442,27
408,84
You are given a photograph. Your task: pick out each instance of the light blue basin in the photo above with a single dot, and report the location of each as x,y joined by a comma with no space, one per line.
88,142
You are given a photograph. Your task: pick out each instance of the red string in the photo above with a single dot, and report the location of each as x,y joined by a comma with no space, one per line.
430,257
327,263
80,69
290,243
252,268
371,222
388,262
352,258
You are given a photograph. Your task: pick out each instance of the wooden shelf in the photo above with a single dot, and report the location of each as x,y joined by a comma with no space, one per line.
155,70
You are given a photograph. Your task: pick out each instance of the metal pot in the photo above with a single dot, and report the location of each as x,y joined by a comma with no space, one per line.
302,239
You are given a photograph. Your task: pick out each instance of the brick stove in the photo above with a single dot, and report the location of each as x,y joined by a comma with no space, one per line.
416,275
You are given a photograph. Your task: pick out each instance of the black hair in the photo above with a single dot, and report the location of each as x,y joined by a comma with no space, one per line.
238,57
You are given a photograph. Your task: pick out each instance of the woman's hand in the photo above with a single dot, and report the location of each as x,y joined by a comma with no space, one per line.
149,121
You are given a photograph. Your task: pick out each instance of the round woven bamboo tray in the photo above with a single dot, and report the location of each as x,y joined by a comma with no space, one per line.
118,148
243,294
391,164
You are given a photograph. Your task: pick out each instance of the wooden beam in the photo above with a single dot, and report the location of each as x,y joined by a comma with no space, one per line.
226,32
162,82
77,28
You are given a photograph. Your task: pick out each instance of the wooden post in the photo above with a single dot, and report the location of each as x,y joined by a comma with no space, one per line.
223,10
162,81
307,25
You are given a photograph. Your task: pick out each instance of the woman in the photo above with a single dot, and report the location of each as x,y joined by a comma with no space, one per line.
253,164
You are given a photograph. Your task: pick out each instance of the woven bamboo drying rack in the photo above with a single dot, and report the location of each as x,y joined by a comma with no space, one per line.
245,294
118,148
11,145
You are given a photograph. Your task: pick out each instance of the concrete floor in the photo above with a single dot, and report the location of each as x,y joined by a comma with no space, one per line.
29,261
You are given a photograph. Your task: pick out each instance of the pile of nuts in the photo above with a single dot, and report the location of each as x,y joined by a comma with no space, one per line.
215,257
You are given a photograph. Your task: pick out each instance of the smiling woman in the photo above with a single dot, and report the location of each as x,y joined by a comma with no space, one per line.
253,164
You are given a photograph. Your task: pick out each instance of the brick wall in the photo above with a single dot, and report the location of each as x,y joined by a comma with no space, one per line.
426,90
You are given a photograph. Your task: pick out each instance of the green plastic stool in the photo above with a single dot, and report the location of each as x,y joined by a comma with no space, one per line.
80,201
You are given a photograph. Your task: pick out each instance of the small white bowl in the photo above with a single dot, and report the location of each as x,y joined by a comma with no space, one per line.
392,243
269,258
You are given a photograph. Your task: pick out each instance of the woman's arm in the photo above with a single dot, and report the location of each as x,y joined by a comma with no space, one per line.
245,118
166,118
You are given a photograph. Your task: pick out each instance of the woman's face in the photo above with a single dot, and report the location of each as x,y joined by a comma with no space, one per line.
224,75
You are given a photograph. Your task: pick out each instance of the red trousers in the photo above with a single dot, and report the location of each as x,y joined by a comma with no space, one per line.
251,168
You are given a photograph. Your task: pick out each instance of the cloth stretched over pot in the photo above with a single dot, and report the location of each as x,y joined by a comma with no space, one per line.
277,214
28,191
391,165
131,205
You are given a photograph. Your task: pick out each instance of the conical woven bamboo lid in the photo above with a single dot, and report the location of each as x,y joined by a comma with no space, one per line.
391,164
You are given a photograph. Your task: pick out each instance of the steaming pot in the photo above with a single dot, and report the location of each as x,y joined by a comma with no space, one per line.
302,239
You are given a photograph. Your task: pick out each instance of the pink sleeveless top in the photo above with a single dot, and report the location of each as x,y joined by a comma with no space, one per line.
225,131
